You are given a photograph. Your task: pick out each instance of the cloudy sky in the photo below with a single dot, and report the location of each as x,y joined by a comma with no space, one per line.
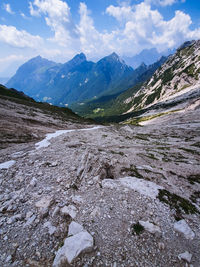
59,29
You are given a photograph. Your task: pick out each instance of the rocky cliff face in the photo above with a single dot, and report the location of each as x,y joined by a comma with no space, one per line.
181,71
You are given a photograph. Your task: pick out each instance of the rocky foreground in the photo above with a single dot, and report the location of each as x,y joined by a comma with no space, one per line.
107,196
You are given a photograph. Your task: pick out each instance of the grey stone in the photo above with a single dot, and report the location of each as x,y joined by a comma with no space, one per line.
72,248
74,228
183,228
185,256
69,210
150,227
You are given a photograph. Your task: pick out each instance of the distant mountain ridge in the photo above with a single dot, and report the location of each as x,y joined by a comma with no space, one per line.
146,56
76,80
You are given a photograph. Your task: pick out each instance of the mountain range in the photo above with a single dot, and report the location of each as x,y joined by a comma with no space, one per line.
78,80
170,79
109,89
146,56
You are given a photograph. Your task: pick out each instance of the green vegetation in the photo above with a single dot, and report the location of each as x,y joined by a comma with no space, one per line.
132,171
176,202
167,76
119,153
194,178
197,144
138,120
195,196
190,70
137,228
194,152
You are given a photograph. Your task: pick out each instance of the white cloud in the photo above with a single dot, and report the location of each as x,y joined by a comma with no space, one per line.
162,2
10,35
10,63
11,58
7,7
144,27
58,18
137,27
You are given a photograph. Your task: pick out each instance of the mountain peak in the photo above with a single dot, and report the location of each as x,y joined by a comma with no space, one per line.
76,60
80,57
114,56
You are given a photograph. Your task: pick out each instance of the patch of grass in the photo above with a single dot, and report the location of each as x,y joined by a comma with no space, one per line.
163,148
197,144
137,120
142,137
104,135
167,76
194,152
119,153
176,202
137,228
151,156
132,171
195,196
194,178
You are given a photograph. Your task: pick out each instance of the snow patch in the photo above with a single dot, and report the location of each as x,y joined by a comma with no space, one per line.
7,164
46,142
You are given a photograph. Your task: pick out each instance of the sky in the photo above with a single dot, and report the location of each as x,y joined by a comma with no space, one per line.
59,29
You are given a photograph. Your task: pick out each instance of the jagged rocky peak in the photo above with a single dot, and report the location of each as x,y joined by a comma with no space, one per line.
79,58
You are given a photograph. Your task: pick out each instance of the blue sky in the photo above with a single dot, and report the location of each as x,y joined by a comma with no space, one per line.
59,29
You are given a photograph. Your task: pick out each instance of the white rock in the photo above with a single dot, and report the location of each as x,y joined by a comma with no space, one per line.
30,220
7,164
74,228
150,227
144,187
183,228
33,182
72,248
77,199
185,256
50,227
161,246
69,210
43,203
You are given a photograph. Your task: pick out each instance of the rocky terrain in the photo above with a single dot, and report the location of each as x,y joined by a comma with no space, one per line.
23,120
117,195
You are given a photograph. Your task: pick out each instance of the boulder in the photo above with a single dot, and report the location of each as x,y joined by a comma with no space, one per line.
72,248
183,228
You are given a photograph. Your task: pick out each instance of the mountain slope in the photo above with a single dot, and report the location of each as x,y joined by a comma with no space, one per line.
179,72
24,120
176,81
32,76
112,104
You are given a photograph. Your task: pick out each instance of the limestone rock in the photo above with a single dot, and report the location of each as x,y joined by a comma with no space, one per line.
72,248
69,210
74,228
44,203
185,256
150,227
183,228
